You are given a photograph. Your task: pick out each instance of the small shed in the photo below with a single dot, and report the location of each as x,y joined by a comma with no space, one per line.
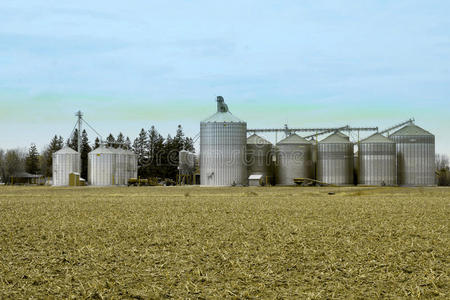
27,178
74,179
255,180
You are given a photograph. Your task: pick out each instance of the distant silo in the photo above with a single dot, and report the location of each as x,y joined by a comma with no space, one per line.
335,160
259,158
121,172
223,140
186,163
102,166
314,149
415,156
294,160
132,164
65,161
377,161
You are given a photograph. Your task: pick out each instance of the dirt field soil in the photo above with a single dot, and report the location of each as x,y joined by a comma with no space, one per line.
191,242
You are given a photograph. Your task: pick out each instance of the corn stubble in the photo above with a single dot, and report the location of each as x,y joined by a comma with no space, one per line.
202,243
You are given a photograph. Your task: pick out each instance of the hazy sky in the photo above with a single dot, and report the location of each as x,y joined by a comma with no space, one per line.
131,64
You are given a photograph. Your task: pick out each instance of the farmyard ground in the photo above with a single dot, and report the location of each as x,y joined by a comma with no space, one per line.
191,242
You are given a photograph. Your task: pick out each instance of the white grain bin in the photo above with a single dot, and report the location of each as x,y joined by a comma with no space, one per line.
102,166
294,160
65,161
223,139
259,159
377,161
335,160
132,164
186,162
415,156
121,172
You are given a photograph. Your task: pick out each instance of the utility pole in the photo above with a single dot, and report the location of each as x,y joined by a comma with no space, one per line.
79,114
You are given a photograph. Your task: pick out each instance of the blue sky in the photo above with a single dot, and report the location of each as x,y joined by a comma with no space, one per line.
131,64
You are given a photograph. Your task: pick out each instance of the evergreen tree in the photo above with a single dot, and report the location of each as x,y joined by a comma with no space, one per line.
56,144
178,140
140,148
32,160
155,150
120,141
73,140
189,144
111,141
85,149
2,166
128,143
168,158
96,143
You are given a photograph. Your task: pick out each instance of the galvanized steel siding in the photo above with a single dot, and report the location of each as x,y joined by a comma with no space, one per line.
377,164
293,161
63,165
222,153
259,160
335,163
415,160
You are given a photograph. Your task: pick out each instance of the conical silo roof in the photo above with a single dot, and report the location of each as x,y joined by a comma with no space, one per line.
335,138
102,150
411,129
119,150
343,135
377,138
257,140
223,115
294,139
66,150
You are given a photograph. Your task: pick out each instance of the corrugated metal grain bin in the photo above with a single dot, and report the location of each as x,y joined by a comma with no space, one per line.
294,160
223,139
335,160
186,162
377,161
259,158
65,161
132,164
415,156
121,172
102,166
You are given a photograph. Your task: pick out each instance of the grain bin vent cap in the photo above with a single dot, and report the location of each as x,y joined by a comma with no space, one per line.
257,140
335,138
411,129
377,138
223,115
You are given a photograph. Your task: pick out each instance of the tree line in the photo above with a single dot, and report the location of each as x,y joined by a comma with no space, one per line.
157,156
442,170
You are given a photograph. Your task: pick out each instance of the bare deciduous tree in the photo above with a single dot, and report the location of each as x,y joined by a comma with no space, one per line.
443,169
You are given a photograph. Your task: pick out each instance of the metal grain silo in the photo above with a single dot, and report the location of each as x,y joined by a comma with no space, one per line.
415,156
223,139
294,160
186,162
121,171
335,160
132,164
259,158
377,161
65,161
102,166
